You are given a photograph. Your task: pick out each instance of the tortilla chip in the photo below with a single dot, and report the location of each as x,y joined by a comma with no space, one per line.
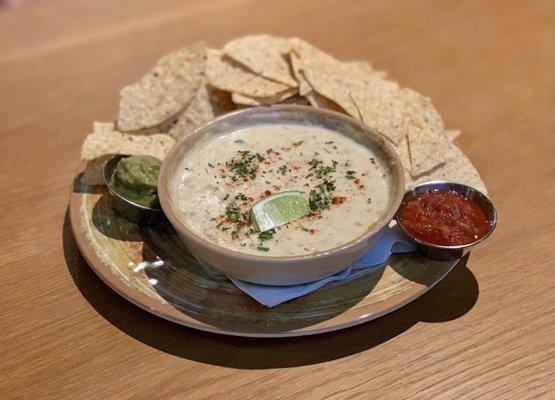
225,74
382,108
103,127
164,91
207,104
421,111
263,55
452,134
404,154
428,148
99,144
296,66
458,168
316,100
325,75
238,98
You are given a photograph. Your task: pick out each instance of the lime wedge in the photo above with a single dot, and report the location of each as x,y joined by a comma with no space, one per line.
278,209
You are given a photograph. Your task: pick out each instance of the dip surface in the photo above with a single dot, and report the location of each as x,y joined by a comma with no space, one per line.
443,217
136,178
348,187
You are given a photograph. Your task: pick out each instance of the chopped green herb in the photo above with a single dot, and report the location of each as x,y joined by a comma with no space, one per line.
226,196
266,235
233,213
297,144
225,228
283,169
351,175
235,234
260,248
369,201
243,165
260,157
329,185
314,163
269,151
240,196
330,142
319,198
372,160
210,165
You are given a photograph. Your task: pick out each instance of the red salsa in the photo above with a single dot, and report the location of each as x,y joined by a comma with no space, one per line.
443,217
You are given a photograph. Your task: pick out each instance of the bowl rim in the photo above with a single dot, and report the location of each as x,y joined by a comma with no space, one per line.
387,148
491,223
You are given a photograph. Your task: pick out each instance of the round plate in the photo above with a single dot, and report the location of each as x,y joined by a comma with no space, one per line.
150,267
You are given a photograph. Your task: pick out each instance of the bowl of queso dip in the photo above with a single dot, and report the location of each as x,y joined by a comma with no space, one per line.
281,195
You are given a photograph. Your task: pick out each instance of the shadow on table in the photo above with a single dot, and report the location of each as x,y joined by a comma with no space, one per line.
451,298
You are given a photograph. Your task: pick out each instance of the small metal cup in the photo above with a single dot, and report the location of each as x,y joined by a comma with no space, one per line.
438,252
128,209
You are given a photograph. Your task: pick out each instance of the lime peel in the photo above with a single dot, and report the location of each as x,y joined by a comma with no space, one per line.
279,209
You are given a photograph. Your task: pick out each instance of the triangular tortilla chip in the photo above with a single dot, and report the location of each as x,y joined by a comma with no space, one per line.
164,91
382,108
99,144
428,148
458,168
207,104
226,74
263,55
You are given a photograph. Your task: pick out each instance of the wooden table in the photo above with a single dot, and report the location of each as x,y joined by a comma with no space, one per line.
486,331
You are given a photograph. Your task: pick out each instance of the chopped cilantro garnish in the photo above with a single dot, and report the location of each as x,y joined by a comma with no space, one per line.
240,196
369,201
372,160
235,234
226,196
329,185
351,175
297,144
261,248
330,142
314,163
283,169
210,165
244,165
233,213
266,235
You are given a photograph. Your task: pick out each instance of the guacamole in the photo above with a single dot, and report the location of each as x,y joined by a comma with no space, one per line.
136,177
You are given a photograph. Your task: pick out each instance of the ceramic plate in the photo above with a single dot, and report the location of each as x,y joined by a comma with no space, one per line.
151,268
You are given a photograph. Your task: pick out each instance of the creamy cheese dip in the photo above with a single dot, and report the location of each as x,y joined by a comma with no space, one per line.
222,177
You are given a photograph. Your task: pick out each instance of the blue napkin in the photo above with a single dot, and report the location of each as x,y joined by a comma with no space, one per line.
390,241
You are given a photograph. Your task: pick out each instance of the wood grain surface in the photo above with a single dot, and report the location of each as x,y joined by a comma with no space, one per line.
485,332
